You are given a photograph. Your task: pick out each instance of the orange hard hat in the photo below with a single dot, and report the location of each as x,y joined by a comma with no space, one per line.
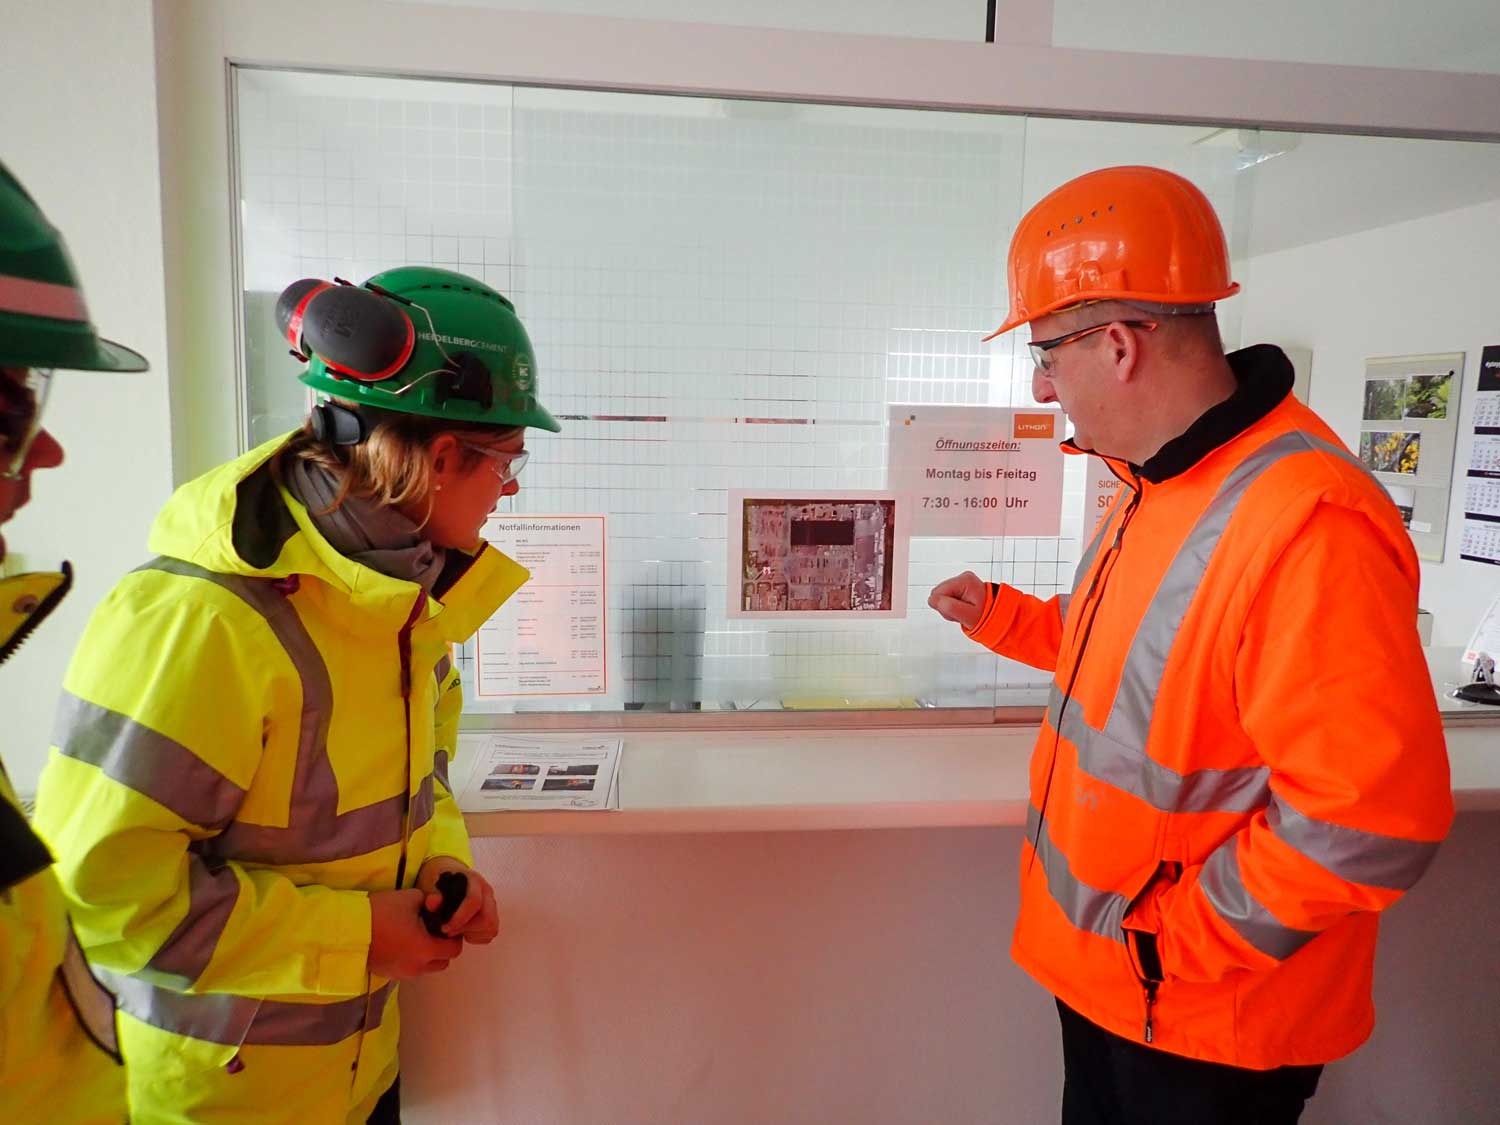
1119,234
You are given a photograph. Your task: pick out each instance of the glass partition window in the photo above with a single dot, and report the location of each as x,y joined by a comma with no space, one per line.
730,295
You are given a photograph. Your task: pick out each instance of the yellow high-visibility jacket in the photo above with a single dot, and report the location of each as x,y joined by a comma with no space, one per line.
254,733
51,1068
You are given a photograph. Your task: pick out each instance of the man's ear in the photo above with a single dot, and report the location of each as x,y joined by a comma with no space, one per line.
1124,351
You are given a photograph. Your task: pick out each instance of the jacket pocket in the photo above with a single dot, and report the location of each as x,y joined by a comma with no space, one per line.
1140,931
179,1035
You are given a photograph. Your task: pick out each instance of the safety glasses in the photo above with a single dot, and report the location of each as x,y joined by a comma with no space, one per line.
1041,348
507,466
21,417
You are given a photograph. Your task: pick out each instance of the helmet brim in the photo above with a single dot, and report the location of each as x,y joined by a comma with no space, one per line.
110,356
1208,297
541,418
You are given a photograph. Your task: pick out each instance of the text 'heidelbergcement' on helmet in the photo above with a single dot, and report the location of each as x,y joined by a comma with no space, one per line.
416,340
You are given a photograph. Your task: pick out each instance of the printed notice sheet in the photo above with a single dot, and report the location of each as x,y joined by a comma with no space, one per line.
542,772
1098,494
977,470
549,639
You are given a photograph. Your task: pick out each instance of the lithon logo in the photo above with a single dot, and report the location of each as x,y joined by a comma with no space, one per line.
1035,425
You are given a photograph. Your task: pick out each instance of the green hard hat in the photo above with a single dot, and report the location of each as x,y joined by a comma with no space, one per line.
465,357
43,319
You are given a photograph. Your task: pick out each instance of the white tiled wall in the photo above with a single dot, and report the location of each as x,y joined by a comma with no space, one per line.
721,294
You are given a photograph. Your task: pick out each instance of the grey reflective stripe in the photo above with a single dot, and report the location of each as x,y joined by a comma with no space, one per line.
1369,858
356,832
1129,721
422,804
1063,601
146,761
212,894
1093,548
1239,789
1098,912
1221,882
238,1020
440,768
316,831
315,794
1117,753
216,1017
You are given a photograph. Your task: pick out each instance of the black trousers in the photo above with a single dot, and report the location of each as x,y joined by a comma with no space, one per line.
387,1110
1108,1080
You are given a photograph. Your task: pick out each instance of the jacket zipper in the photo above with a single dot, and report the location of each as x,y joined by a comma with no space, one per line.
1144,957
1096,587
403,649
1150,989
1141,948
403,645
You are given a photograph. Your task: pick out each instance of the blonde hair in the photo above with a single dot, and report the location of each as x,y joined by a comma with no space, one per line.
391,466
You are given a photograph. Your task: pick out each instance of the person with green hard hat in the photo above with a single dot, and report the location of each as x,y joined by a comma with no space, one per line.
59,1057
248,783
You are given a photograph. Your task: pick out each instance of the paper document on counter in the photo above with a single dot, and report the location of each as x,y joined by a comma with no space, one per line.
542,772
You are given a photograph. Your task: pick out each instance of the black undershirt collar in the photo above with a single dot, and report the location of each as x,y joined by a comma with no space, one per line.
1264,376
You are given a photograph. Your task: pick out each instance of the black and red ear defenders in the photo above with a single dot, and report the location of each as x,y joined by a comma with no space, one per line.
365,334
359,333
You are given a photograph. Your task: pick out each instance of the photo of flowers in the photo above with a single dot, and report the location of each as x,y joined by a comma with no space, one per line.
1390,451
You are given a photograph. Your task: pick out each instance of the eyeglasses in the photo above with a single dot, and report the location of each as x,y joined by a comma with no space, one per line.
1040,348
21,417
507,466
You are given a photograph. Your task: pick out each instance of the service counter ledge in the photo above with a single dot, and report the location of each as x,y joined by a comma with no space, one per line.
693,777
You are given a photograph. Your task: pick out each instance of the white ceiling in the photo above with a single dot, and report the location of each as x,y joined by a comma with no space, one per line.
961,20
1330,186
1316,188
1456,35
1459,35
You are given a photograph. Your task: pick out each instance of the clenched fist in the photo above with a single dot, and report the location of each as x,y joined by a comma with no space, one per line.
959,599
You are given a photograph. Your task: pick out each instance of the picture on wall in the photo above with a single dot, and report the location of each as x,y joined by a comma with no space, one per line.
801,554
1408,436
1391,451
1415,396
1427,396
1384,399
1405,500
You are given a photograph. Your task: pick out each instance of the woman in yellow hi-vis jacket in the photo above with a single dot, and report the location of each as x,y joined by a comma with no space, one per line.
248,786
58,1054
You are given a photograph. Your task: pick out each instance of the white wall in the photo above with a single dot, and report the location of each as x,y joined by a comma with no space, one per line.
859,978
1411,288
78,127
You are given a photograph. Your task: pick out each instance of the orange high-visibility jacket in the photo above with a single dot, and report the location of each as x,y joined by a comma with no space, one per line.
1242,761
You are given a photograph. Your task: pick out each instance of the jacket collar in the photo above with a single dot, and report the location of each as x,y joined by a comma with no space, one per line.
1263,377
237,519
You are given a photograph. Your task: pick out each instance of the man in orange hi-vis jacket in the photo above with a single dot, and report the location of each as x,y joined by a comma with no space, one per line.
1242,762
